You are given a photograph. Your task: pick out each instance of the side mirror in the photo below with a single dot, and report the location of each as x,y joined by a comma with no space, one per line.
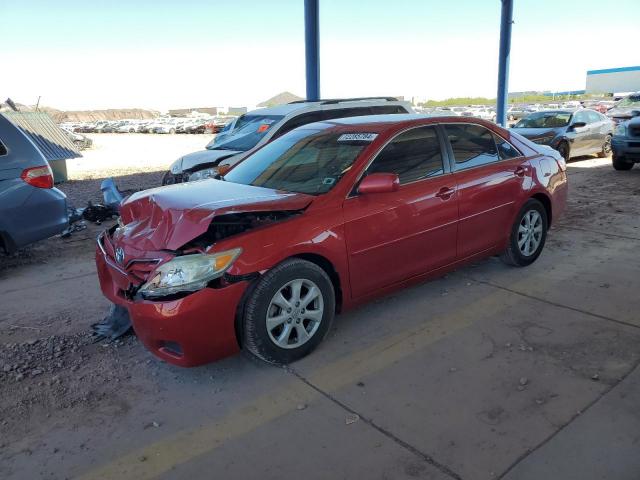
578,125
379,183
635,113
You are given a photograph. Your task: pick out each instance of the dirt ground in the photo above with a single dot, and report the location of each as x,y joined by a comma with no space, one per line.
561,334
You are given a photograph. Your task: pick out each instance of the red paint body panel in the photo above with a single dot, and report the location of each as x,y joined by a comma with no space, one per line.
375,242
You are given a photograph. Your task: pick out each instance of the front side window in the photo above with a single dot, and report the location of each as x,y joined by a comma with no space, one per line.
308,160
472,145
413,155
580,117
544,120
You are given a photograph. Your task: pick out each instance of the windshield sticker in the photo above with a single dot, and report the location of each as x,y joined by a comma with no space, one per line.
357,137
263,128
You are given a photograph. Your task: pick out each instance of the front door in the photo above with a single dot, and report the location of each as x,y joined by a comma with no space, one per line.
394,236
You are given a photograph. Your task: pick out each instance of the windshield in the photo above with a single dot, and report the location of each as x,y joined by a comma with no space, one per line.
247,132
545,120
630,101
304,161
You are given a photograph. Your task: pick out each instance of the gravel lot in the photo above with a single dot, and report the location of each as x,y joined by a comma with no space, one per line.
469,376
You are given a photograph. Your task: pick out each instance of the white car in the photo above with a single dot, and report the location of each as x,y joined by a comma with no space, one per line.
257,128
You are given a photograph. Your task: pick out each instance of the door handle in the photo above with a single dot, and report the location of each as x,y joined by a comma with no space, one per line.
445,193
520,171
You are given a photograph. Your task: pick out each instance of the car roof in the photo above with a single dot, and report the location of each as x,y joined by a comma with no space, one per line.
380,123
338,103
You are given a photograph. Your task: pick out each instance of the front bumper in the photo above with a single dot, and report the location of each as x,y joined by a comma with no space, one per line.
190,331
627,148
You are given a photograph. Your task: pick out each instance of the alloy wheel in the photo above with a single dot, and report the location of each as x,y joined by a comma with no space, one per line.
295,313
530,232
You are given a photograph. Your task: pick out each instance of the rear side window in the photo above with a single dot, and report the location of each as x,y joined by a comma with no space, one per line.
346,112
3,149
505,149
472,145
386,109
298,121
413,155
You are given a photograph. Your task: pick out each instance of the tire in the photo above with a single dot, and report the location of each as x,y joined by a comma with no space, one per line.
515,254
262,342
565,150
172,131
619,163
606,148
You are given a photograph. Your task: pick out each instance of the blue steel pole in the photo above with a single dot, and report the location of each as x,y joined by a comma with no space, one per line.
506,20
312,48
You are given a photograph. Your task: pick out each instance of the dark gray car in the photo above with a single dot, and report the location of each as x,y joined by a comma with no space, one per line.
572,133
30,208
626,143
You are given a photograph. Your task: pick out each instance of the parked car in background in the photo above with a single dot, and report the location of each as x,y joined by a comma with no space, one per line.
323,218
517,112
626,143
165,127
622,110
82,142
257,128
572,133
31,209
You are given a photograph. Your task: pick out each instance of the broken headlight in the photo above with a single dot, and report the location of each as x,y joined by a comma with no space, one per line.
200,174
188,273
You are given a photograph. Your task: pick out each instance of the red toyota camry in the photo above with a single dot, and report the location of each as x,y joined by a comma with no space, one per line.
329,215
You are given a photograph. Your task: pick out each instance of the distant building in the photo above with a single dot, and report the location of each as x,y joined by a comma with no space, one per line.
614,80
185,112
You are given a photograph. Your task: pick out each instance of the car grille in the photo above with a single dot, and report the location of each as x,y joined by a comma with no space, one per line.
137,270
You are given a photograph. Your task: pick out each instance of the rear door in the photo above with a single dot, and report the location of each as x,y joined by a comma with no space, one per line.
394,236
489,174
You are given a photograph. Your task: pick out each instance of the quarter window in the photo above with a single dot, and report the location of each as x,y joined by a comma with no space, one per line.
412,155
3,149
505,149
472,145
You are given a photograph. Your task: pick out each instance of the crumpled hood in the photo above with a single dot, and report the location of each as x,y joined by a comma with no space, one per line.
166,218
201,157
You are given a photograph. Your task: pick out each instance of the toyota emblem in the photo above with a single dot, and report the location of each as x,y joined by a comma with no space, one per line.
119,255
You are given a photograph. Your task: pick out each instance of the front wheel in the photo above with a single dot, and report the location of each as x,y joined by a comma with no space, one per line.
528,235
289,312
619,163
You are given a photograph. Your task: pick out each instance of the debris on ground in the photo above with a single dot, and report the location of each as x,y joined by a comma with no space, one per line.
595,377
351,418
301,406
116,324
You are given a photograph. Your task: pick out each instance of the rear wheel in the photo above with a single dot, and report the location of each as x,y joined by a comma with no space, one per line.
620,163
289,312
564,150
606,148
528,235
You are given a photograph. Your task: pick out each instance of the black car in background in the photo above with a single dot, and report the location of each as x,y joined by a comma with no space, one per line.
626,143
622,111
572,133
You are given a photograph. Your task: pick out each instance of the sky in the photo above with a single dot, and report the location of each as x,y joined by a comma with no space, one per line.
162,54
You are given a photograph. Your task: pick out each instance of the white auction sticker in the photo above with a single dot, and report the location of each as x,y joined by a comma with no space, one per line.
357,137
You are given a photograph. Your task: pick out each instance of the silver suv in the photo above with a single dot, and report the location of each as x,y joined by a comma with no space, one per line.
256,128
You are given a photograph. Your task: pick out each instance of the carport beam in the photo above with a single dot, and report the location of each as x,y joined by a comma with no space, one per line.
312,48
506,20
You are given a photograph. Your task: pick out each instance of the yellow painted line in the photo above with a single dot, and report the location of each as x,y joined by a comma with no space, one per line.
184,446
